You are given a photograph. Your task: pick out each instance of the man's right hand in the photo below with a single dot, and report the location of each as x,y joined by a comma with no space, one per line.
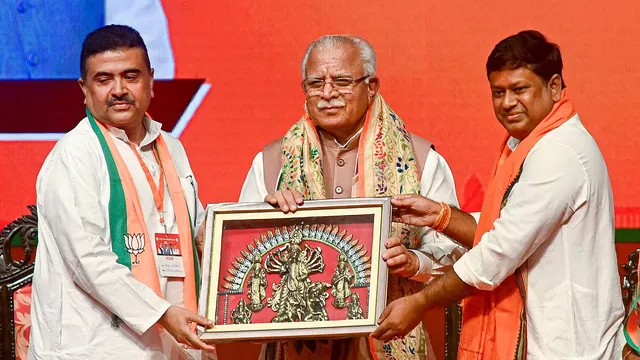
415,210
286,200
177,321
419,211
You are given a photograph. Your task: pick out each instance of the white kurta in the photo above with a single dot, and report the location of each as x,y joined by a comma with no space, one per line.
437,253
77,284
559,220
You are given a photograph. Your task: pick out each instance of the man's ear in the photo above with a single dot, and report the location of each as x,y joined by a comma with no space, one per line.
151,75
555,86
373,86
83,87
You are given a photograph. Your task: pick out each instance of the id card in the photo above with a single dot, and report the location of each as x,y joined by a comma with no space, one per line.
168,255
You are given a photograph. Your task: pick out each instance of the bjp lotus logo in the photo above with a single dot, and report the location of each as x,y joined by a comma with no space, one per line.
135,245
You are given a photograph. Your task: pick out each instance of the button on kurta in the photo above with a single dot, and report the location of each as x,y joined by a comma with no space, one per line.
338,189
340,162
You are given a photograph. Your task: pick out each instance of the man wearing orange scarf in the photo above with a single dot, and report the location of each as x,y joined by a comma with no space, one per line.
350,143
110,194
541,280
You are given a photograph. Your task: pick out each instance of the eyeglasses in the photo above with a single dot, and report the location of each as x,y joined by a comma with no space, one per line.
315,86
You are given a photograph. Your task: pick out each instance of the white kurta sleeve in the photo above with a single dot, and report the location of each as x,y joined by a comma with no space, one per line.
437,252
69,207
476,216
553,184
254,188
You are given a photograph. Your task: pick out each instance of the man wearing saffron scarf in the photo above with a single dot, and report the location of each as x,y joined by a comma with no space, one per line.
110,193
541,280
350,143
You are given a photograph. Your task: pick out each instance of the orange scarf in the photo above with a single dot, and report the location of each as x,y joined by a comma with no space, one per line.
494,322
131,240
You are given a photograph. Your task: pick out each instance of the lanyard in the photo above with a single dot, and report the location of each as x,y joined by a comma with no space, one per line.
158,191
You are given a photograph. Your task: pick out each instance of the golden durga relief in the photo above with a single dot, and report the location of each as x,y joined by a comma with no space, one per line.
292,254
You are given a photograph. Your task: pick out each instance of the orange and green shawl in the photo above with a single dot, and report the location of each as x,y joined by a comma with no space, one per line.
386,166
494,322
130,239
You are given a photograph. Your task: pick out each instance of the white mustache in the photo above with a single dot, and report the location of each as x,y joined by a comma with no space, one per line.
323,104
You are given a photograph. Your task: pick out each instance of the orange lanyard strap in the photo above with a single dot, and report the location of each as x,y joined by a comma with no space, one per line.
158,191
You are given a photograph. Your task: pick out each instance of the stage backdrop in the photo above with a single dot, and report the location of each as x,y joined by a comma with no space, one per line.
431,58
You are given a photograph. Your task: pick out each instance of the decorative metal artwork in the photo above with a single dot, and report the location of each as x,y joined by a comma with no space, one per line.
354,310
241,314
295,297
341,282
257,285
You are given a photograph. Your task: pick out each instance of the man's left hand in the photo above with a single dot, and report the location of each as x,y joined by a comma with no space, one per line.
399,259
399,317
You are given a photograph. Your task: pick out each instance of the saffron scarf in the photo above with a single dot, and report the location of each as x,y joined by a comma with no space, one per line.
130,239
386,166
494,322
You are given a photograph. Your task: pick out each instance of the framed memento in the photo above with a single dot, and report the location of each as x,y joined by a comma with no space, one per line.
317,272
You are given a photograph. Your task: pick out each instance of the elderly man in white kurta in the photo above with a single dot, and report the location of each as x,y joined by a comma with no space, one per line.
110,193
350,143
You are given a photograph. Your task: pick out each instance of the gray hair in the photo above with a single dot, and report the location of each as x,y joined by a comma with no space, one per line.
367,54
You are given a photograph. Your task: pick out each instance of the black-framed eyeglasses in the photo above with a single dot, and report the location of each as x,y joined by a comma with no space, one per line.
314,85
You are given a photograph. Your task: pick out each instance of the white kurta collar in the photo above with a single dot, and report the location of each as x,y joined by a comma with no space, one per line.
513,143
152,132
